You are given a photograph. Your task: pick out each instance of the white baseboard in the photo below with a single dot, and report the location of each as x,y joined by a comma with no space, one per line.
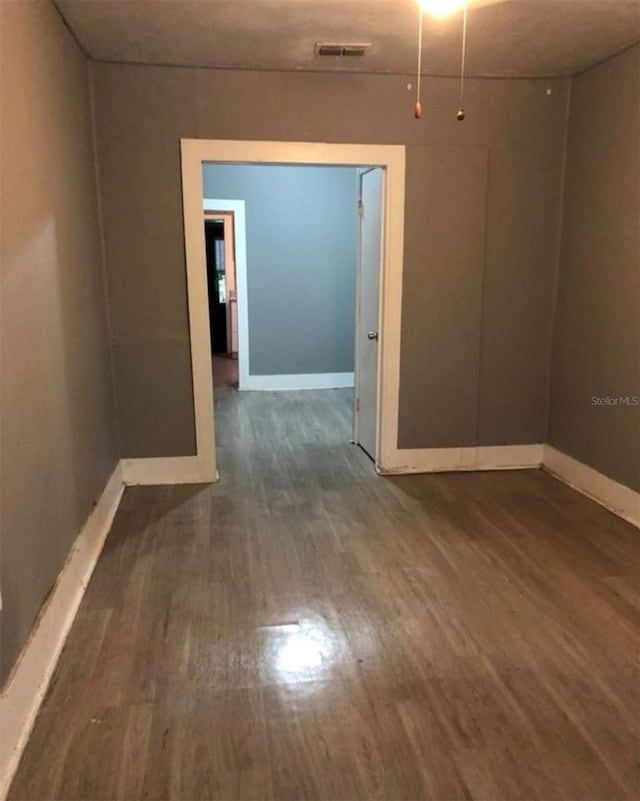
166,470
292,382
28,682
484,457
614,496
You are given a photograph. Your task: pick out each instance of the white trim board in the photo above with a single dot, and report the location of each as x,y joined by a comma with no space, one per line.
28,682
484,457
196,152
166,470
298,381
614,496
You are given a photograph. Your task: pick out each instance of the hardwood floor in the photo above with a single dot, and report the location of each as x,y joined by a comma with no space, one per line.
225,371
306,629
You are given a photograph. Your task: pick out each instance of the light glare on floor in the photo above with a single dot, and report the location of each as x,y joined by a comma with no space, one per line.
298,654
305,649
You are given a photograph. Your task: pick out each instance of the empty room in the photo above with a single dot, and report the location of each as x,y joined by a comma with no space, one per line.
320,400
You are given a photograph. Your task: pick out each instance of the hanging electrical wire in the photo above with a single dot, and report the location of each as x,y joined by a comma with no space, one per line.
417,109
463,57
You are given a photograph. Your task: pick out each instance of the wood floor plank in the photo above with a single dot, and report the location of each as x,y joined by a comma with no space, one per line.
307,629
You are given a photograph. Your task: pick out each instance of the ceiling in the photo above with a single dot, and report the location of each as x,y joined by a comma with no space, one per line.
510,38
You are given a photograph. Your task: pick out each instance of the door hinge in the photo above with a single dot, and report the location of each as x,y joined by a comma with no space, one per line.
357,404
360,208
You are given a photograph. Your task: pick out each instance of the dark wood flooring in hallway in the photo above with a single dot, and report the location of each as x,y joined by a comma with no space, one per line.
306,629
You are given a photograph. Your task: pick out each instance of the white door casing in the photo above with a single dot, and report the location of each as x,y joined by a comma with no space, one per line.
195,153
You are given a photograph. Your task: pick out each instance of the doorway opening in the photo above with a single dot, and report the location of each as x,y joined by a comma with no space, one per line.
368,164
222,295
309,284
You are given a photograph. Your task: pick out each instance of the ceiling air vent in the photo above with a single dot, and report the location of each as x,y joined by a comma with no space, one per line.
340,49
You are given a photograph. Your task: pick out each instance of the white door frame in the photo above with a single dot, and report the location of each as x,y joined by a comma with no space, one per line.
195,152
242,297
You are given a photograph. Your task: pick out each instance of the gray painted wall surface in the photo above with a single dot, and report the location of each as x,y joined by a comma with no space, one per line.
596,348
493,328
58,421
452,237
301,263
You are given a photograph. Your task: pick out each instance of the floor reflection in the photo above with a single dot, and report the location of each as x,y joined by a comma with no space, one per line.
300,651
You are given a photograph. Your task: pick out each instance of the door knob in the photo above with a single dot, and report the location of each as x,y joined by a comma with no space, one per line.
372,335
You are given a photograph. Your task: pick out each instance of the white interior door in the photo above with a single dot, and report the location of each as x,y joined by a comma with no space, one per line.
367,334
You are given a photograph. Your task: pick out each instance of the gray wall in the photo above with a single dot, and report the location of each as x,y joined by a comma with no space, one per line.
596,346
301,263
58,436
474,363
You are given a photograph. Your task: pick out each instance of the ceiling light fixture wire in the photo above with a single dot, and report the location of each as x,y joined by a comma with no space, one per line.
417,109
463,58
